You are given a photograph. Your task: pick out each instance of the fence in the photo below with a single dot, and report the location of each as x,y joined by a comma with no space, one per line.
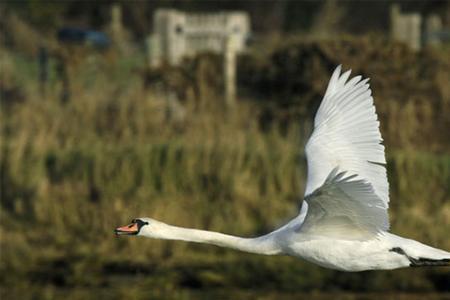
177,34
416,30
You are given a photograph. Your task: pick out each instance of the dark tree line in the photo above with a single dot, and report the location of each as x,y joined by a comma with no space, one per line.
266,16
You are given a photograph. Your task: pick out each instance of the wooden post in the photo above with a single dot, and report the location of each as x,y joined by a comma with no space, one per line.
230,70
406,27
433,27
153,51
43,69
116,22
414,34
62,74
118,34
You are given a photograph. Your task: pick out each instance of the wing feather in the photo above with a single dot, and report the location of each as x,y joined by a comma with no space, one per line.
346,137
345,207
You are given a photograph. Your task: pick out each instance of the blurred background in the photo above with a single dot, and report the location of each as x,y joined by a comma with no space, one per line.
195,113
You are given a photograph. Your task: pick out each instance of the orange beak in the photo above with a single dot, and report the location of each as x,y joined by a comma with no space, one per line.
131,229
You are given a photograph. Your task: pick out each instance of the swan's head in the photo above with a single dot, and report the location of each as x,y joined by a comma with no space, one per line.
139,226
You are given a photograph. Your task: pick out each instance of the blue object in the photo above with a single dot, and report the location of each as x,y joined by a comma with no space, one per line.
82,36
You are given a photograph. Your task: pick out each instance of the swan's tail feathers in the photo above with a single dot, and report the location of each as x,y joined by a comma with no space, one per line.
424,256
428,262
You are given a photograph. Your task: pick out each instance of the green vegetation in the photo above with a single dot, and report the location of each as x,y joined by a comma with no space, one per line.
71,172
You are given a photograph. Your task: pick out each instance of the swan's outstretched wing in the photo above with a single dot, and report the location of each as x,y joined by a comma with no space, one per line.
344,207
347,136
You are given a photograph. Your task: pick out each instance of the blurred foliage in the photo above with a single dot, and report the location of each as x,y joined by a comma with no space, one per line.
267,16
410,89
72,171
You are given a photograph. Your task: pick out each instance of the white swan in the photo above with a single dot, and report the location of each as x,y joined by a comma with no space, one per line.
343,223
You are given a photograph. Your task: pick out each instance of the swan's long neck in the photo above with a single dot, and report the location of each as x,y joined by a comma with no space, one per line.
261,245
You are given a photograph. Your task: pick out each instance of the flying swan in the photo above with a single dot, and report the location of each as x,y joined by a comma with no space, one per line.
343,222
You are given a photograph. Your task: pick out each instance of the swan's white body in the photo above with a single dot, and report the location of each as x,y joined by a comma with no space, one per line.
343,223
